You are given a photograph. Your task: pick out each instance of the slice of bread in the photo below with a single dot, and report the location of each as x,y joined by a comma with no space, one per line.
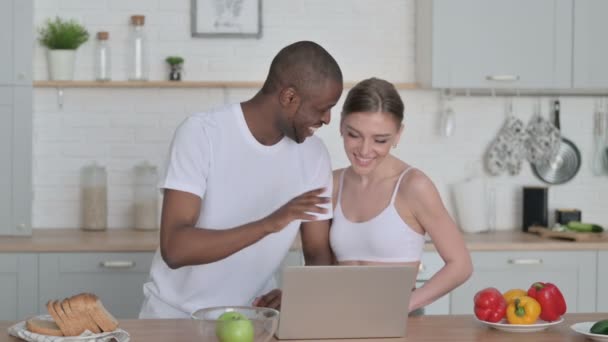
43,327
79,307
71,328
79,322
50,306
98,312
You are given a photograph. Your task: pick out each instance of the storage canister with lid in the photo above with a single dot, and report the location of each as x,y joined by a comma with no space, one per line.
146,197
94,197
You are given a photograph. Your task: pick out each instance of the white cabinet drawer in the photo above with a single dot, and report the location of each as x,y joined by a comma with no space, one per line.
104,262
116,278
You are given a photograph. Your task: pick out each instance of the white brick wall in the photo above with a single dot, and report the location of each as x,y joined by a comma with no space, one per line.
122,127
335,24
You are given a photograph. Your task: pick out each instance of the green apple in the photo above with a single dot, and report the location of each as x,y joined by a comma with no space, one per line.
233,326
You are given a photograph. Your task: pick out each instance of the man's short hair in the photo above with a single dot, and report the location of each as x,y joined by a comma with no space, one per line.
302,65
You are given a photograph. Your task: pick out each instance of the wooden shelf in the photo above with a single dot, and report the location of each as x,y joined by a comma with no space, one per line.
172,84
144,84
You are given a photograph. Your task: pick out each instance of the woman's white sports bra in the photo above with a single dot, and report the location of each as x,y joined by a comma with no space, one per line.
384,238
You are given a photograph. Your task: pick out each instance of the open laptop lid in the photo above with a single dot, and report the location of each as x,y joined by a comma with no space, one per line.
321,302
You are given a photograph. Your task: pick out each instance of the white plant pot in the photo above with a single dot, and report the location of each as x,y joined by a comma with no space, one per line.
61,64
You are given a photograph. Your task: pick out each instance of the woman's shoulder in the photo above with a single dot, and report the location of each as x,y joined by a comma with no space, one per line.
415,183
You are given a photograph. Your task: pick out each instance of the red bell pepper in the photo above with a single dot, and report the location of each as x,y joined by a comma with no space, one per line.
490,305
551,300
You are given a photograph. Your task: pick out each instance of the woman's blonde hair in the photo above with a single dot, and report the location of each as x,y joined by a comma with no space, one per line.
374,95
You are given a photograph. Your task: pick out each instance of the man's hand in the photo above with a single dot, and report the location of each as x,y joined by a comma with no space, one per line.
299,208
270,300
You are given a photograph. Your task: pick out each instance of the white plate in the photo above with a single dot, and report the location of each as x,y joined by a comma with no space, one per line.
540,325
584,327
19,330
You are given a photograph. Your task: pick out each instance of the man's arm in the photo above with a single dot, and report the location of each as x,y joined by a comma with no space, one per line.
315,242
183,244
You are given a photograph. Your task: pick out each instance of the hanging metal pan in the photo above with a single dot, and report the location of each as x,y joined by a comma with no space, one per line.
565,165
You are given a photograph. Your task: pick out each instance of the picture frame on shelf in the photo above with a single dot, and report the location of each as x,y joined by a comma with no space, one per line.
226,18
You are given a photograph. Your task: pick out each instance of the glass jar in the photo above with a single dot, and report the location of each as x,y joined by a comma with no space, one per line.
138,50
94,197
103,66
146,197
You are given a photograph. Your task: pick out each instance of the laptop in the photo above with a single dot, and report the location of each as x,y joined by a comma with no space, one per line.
328,302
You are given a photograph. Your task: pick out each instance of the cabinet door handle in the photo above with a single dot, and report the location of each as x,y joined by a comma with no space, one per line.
502,78
525,261
117,264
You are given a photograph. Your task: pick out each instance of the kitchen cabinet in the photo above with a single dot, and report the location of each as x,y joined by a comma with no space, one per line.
6,39
15,160
602,281
6,114
22,191
16,33
18,285
16,39
23,42
574,272
116,278
494,43
590,50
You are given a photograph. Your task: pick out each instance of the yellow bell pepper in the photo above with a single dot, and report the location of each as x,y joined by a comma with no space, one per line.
523,310
510,295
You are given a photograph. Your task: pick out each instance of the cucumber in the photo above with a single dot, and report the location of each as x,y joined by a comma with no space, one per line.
584,227
600,327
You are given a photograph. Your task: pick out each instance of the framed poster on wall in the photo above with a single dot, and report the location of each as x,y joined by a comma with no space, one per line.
226,18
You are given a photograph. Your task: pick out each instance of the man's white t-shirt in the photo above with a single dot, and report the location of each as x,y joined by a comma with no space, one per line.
214,156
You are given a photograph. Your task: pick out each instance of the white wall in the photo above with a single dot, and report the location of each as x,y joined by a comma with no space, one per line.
121,127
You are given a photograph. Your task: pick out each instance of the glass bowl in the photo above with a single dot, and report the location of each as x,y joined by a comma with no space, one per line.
236,323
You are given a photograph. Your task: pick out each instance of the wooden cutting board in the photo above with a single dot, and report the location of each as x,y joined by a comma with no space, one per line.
545,232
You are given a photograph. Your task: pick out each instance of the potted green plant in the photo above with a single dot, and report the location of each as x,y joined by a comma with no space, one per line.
62,38
175,64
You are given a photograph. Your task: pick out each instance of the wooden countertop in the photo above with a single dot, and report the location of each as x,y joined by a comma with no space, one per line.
518,240
78,240
130,240
455,328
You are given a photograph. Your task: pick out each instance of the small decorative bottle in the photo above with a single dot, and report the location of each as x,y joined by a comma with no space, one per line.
103,66
138,54
146,197
94,197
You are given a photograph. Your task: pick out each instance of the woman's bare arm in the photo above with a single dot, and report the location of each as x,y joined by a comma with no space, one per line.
433,217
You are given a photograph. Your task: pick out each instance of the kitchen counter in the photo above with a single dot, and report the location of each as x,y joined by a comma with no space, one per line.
129,240
455,328
78,240
520,241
